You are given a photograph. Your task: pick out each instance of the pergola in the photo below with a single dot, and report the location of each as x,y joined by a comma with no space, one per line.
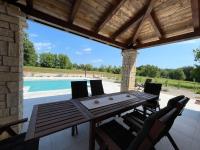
126,24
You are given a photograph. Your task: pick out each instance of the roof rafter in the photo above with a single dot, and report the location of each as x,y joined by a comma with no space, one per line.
195,4
155,25
178,38
75,8
150,4
109,14
29,4
44,18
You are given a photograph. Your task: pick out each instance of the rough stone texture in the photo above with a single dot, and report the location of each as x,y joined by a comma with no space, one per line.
128,70
11,54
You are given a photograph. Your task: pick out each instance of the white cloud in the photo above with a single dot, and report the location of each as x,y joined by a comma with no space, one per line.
44,46
87,49
190,42
33,35
78,53
95,61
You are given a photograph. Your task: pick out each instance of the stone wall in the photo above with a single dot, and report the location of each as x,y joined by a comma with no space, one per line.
11,57
128,70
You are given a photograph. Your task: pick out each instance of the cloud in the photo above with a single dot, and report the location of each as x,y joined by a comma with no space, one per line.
189,42
44,46
87,49
33,35
95,61
78,53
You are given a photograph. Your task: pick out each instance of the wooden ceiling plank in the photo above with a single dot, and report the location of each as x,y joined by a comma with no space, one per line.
178,38
155,25
44,18
146,14
29,4
109,14
195,5
74,11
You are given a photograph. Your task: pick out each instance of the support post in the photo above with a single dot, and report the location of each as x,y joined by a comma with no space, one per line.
11,63
128,70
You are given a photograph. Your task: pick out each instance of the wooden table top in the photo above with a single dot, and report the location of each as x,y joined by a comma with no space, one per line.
53,117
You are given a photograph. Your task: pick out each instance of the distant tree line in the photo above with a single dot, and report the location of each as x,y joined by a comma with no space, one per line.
31,58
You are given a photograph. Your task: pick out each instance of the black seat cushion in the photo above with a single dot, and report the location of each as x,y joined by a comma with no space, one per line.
173,101
96,87
79,89
120,135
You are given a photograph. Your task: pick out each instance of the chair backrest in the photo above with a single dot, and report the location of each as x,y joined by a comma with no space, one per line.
154,129
153,88
96,87
179,101
79,89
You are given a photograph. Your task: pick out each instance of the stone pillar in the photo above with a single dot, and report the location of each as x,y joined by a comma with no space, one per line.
128,69
11,63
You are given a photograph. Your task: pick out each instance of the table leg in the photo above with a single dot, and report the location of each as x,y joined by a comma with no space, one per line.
92,135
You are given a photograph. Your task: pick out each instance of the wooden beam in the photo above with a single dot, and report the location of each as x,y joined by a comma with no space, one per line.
29,4
178,38
195,4
109,14
150,4
44,18
75,7
155,25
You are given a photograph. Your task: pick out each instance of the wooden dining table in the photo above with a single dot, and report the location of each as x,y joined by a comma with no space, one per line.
52,117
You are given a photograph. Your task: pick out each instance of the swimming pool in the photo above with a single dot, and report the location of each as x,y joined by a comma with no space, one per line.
46,85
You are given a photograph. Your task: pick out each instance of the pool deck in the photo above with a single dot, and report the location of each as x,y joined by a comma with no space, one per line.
185,131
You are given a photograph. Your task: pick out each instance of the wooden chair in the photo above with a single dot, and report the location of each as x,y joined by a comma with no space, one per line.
16,141
152,105
96,87
113,136
79,90
135,120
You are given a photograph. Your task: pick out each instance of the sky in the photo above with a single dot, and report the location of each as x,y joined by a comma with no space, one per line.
84,51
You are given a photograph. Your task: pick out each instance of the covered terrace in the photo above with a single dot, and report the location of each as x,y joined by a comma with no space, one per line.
129,25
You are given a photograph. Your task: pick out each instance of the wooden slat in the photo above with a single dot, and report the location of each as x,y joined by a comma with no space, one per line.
155,25
31,128
133,22
49,20
109,14
75,8
150,4
187,36
195,5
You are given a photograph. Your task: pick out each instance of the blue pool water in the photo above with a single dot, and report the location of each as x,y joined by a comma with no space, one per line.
46,85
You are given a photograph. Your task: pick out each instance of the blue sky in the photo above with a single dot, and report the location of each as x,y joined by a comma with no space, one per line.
85,51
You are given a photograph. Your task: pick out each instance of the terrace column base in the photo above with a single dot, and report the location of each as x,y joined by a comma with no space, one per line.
128,70
11,64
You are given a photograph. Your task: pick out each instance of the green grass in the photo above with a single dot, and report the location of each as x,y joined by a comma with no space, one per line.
117,77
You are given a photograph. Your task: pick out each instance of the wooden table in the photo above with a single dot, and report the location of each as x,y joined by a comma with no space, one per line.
53,117
105,112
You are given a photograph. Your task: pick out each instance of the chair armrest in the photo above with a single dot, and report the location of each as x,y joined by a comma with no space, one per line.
13,123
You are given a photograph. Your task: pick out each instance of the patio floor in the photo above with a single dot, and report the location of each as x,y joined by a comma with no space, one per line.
185,131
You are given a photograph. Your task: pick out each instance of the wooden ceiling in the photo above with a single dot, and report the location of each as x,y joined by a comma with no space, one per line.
120,23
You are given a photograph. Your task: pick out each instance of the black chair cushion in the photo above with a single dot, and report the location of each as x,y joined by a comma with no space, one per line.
173,101
96,87
121,136
79,89
153,88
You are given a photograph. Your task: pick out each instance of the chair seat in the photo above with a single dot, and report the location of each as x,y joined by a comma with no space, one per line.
153,104
117,133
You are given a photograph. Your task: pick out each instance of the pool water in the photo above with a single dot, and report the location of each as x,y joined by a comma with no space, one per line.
47,85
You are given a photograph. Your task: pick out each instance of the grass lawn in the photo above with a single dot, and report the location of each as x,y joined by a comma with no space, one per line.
117,77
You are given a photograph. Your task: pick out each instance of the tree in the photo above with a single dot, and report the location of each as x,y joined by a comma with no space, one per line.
177,74
188,72
148,71
30,56
47,60
63,62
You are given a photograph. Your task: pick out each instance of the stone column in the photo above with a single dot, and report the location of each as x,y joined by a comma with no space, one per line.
128,69
11,63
